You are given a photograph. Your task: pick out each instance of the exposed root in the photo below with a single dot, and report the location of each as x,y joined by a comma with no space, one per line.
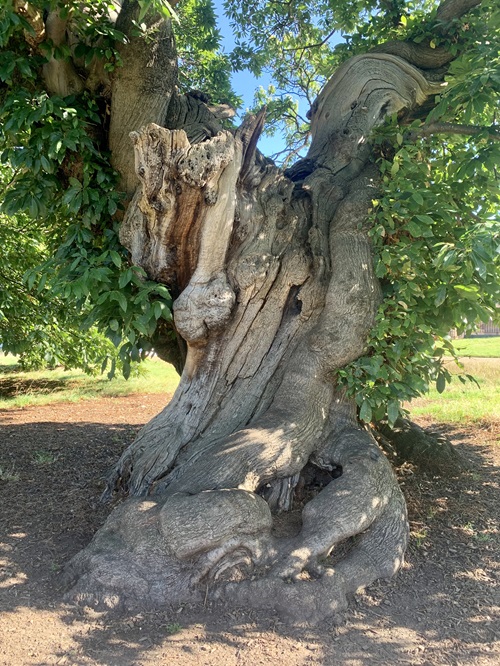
169,550
430,451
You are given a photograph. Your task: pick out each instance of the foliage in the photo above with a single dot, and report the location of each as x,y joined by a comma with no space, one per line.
202,64
68,270
42,329
438,259
436,242
79,276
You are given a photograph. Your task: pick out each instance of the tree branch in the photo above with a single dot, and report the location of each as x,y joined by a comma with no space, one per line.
420,55
455,128
313,46
423,55
141,88
452,9
60,75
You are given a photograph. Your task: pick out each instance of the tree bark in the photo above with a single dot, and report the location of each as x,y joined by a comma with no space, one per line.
275,291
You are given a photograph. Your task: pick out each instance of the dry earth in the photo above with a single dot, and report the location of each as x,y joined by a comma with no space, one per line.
442,609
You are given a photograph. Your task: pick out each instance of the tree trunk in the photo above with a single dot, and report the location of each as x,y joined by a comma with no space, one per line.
275,291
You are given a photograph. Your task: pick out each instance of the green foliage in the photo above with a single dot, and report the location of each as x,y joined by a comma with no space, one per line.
67,280
437,245
161,7
436,233
68,269
202,63
42,329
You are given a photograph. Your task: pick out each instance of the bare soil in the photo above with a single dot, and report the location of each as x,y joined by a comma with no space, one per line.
442,609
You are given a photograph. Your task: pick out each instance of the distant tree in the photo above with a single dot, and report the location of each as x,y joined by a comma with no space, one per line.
307,302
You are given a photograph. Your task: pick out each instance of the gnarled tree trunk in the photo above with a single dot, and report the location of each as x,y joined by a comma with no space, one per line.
275,291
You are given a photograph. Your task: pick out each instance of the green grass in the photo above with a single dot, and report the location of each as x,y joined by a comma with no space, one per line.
464,403
20,389
459,403
478,347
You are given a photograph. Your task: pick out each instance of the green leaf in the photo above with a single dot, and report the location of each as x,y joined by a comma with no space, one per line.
365,413
122,301
158,309
126,369
125,278
112,370
115,258
440,296
415,230
467,291
441,383
392,411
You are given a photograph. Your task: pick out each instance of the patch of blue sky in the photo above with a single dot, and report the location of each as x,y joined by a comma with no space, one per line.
245,84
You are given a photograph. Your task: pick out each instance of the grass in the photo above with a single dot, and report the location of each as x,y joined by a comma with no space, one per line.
20,389
464,403
43,458
173,628
478,347
8,475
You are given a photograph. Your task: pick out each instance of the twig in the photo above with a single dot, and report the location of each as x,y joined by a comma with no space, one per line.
313,46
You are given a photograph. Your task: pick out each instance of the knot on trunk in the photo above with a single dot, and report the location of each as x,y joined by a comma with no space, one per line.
203,307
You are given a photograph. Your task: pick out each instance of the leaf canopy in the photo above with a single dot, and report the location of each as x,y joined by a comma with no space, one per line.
67,283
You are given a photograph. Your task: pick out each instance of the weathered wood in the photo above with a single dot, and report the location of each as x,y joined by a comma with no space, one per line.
274,292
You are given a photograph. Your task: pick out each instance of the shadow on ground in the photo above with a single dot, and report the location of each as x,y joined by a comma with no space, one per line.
10,387
444,608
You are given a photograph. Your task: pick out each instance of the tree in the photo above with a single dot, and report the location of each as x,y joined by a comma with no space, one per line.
305,301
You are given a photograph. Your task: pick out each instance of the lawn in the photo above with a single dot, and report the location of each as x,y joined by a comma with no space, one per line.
478,347
465,403
468,403
19,389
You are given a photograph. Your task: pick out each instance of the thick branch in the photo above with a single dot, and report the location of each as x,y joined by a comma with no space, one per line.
423,55
142,88
420,55
453,9
456,128
60,75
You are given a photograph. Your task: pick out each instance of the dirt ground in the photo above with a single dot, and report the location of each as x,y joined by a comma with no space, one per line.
443,608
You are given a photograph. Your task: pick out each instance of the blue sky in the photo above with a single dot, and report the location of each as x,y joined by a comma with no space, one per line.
244,83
